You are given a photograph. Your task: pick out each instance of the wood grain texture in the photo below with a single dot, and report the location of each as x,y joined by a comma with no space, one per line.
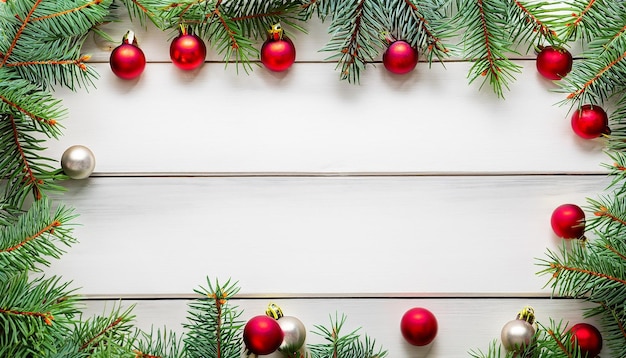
337,235
463,324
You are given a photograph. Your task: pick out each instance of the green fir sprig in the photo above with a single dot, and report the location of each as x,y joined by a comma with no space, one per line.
346,345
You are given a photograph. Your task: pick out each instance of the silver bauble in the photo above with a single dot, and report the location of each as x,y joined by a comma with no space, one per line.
517,334
78,162
295,334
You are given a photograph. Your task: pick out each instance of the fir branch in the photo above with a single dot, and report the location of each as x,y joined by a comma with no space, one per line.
34,237
21,164
487,43
159,344
349,345
35,316
256,17
534,23
108,335
355,36
591,18
214,328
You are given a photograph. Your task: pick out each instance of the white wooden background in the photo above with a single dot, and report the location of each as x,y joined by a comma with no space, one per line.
323,196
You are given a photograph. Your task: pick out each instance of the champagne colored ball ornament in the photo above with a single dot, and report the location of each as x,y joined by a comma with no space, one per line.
78,162
400,57
418,326
590,122
293,330
519,333
588,338
187,51
278,52
127,60
568,221
262,335
554,63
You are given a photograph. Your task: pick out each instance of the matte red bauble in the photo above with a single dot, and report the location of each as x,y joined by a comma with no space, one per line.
400,57
554,63
278,54
127,60
568,221
588,338
262,335
418,326
590,122
187,51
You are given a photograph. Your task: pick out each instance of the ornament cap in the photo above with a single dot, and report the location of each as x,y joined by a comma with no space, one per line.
274,311
276,32
527,314
129,38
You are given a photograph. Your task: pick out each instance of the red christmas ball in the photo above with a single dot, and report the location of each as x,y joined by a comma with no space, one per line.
127,61
568,221
262,335
590,122
418,326
554,63
588,338
187,51
400,57
278,54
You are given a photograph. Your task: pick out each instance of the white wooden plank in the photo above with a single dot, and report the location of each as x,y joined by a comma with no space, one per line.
308,121
336,235
464,324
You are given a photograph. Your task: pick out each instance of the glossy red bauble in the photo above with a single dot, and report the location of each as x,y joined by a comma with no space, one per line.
554,63
590,122
588,338
127,61
400,57
262,335
187,52
418,326
278,55
568,221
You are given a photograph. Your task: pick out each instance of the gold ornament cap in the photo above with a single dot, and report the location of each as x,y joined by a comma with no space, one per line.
527,314
274,311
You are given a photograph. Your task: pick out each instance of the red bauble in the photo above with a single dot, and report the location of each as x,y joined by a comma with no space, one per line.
568,221
278,54
554,63
590,122
588,339
419,326
262,335
127,60
400,57
187,51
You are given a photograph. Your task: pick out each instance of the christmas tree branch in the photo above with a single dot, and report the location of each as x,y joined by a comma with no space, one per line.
33,237
214,328
356,35
68,11
534,23
590,18
19,32
108,335
487,43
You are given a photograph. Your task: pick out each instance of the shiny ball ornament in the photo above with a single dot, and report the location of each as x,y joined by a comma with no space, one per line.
262,335
568,221
517,334
588,338
294,334
278,52
590,122
78,162
187,51
418,326
400,57
127,60
554,63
